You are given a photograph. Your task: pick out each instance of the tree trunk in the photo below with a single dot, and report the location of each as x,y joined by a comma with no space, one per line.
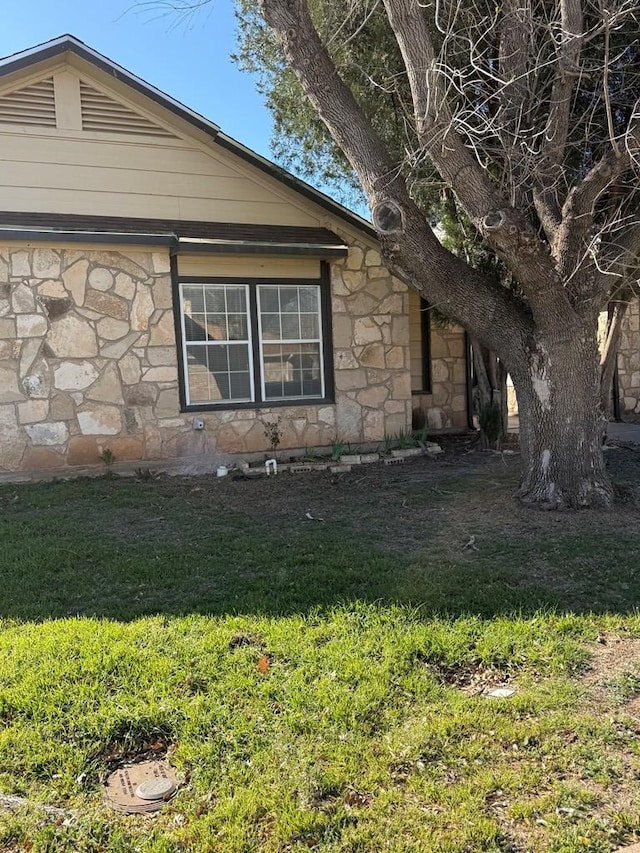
561,424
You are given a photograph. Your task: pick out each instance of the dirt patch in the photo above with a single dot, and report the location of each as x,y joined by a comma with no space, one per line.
613,676
612,656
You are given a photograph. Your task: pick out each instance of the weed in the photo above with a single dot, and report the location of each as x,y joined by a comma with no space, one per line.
107,456
405,439
421,436
273,434
338,449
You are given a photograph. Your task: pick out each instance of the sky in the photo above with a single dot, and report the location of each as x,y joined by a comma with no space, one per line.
187,59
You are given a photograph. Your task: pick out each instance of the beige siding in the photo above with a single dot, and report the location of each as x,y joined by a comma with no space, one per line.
249,267
72,173
111,168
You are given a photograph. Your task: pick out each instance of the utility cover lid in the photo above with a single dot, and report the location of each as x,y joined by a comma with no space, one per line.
156,789
140,788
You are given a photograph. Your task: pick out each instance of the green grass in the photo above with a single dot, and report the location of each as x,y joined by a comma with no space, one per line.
133,616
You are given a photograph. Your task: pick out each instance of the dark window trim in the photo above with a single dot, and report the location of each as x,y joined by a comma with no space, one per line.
323,281
425,335
245,248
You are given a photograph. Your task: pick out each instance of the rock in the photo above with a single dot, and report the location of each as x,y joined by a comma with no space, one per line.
46,263
101,279
9,389
107,304
53,289
130,369
112,330
12,439
31,325
100,420
163,332
366,331
20,264
160,374
72,337
142,309
500,693
83,450
56,306
23,300
118,349
33,411
107,388
73,376
52,433
75,280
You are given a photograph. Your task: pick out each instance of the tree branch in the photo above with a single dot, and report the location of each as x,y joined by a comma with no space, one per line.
411,250
506,229
548,172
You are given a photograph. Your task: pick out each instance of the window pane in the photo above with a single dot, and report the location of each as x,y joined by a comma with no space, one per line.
290,326
309,327
292,370
215,299
193,297
240,386
269,300
237,327
309,299
217,327
289,300
271,326
218,357
217,372
194,327
238,358
236,300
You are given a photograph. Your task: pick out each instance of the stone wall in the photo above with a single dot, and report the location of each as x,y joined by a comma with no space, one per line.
629,364
446,405
88,361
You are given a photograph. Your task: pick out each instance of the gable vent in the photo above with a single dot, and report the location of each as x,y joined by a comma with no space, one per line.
34,105
101,113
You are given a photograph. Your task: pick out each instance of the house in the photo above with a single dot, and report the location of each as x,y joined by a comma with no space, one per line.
165,292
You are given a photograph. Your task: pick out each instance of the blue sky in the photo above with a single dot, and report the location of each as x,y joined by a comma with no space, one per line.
188,60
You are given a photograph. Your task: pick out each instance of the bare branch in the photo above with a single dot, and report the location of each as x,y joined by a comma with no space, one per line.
507,230
412,252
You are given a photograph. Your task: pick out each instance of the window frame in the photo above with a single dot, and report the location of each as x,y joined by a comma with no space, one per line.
425,344
255,342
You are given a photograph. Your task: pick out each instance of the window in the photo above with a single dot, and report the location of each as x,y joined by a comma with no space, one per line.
258,342
419,344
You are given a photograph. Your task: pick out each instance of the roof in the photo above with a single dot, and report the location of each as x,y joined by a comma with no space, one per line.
70,44
187,236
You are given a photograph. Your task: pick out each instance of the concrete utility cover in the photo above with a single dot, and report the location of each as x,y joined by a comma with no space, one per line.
501,693
156,789
140,788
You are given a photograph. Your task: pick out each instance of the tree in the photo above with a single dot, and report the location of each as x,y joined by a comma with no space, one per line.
528,113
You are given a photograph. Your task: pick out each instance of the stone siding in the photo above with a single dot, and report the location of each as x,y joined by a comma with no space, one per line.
88,361
446,405
629,364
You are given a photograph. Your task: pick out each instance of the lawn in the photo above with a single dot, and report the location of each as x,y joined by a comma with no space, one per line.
313,654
